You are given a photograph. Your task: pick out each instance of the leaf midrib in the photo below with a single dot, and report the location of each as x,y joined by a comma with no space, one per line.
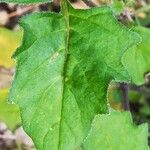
66,15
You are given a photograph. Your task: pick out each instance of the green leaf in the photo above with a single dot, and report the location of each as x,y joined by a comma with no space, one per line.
116,131
25,1
9,41
64,67
8,113
137,59
117,6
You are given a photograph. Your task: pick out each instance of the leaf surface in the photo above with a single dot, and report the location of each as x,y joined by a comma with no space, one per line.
137,59
65,65
116,131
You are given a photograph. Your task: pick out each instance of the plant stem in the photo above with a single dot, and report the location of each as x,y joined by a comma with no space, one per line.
124,87
22,11
89,3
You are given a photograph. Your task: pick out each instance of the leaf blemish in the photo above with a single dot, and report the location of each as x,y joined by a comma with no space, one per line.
55,55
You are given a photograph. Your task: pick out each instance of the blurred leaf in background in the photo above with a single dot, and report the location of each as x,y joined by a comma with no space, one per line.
115,96
137,60
8,113
9,41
